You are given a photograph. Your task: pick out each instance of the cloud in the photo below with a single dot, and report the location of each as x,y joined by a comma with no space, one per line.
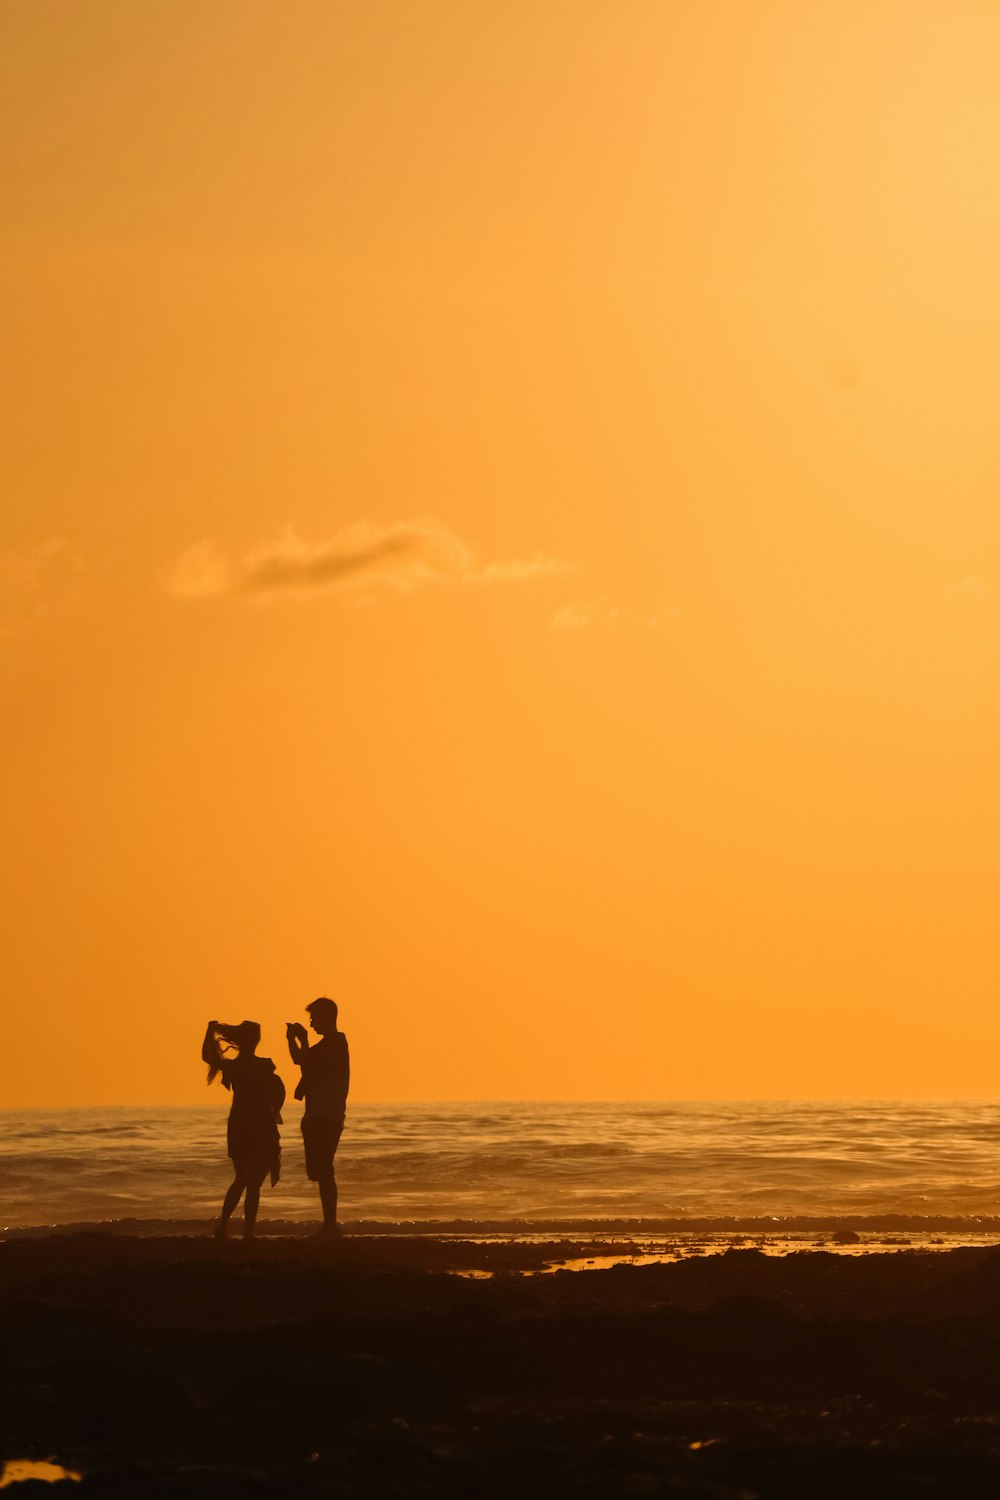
522,570
971,586
970,613
584,614
358,563
39,583
199,572
578,615
843,371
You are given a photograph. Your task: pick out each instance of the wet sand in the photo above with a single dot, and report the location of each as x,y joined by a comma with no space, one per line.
379,1366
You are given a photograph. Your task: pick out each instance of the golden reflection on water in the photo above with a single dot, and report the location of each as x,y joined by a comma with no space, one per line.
15,1470
595,1255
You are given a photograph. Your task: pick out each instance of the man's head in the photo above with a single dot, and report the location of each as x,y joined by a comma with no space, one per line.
323,1015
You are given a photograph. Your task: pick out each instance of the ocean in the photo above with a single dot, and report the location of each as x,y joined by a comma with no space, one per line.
527,1167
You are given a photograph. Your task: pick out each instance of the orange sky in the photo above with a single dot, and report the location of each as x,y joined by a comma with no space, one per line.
502,526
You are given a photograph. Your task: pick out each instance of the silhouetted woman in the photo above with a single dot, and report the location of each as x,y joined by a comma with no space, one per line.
258,1094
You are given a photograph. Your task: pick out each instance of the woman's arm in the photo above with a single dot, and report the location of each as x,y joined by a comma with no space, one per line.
211,1052
210,1046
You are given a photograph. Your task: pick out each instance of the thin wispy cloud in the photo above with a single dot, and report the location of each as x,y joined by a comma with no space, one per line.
586,614
367,559
38,583
200,572
578,615
970,615
971,587
522,570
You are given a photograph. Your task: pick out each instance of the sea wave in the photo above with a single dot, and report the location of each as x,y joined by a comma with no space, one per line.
659,1164
746,1227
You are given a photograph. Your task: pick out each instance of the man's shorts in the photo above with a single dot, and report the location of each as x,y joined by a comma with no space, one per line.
321,1137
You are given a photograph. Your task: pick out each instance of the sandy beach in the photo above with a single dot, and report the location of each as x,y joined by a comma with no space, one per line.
372,1367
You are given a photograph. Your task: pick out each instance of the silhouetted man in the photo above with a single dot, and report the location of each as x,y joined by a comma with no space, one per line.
326,1078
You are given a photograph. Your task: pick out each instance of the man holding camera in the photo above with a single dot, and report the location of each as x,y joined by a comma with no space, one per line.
326,1078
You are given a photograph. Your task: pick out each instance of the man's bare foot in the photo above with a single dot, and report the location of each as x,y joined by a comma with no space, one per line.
220,1232
328,1232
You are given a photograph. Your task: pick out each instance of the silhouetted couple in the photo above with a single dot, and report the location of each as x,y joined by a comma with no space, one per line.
258,1095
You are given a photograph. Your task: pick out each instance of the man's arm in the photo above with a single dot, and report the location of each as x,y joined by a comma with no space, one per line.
298,1041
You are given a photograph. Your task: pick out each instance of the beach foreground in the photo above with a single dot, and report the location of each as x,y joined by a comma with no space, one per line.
368,1367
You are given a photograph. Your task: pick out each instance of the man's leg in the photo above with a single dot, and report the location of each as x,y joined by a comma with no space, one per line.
328,1197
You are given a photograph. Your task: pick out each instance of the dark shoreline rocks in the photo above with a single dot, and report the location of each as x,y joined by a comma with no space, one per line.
176,1367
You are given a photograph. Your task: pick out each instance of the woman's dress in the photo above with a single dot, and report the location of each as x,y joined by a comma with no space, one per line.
258,1094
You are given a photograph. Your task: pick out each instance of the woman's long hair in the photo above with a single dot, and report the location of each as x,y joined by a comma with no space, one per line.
244,1037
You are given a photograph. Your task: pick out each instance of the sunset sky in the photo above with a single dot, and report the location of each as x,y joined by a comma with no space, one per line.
501,526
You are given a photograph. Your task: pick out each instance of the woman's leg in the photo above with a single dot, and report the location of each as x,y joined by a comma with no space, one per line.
251,1205
229,1202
